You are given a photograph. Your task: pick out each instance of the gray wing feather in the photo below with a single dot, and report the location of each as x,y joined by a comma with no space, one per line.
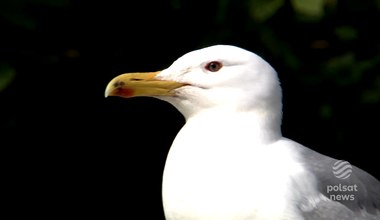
355,197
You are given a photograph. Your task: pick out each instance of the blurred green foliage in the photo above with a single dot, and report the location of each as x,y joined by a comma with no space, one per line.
313,9
346,33
343,66
7,73
261,10
15,11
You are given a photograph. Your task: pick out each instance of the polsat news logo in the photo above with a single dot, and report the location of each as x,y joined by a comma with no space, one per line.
342,192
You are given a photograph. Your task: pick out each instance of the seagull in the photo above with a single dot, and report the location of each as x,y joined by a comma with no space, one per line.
230,161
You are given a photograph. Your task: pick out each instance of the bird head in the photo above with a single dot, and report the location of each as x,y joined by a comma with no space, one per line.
220,76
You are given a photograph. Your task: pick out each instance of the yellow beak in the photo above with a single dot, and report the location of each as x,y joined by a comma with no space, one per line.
140,84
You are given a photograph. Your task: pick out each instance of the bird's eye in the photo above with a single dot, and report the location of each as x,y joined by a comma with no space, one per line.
214,66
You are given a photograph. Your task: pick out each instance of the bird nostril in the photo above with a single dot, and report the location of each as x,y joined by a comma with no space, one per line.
136,79
118,84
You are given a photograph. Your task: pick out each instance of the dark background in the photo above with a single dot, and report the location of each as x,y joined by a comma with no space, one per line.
68,151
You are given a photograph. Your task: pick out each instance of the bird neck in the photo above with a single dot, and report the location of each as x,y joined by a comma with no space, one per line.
261,125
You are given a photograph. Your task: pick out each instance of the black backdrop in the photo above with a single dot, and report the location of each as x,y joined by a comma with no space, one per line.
71,152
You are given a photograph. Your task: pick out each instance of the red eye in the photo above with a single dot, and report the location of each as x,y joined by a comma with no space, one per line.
214,66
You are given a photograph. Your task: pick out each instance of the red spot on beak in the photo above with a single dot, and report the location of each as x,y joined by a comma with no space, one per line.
124,92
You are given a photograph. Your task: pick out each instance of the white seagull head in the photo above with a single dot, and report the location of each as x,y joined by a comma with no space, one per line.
220,76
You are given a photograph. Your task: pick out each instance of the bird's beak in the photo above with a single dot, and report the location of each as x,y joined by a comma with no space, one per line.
140,84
